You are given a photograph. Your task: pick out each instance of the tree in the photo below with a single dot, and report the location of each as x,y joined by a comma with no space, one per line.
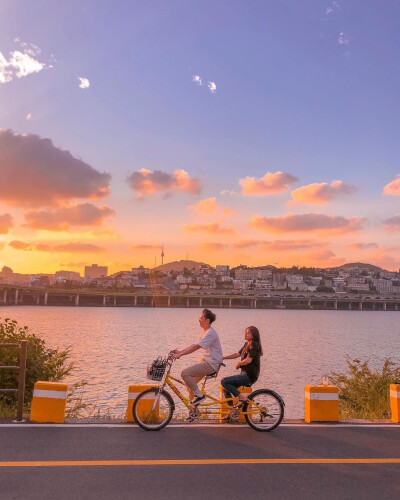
42,362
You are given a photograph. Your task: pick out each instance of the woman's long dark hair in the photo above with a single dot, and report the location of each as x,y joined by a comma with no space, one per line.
256,337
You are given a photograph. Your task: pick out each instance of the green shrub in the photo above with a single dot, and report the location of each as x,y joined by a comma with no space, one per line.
42,363
364,393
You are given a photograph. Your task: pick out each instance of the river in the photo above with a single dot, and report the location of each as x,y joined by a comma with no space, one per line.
112,346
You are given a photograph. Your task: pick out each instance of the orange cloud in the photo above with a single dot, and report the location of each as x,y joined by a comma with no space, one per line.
29,247
393,187
145,247
246,243
361,246
145,182
6,223
288,245
323,258
381,258
393,224
84,214
35,173
323,224
269,184
64,247
212,228
19,245
210,206
212,247
207,206
78,248
319,194
74,264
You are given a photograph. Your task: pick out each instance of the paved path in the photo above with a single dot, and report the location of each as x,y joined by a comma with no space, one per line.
324,462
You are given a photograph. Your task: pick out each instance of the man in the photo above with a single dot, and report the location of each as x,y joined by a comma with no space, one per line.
209,362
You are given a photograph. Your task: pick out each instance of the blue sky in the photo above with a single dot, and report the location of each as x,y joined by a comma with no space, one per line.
308,88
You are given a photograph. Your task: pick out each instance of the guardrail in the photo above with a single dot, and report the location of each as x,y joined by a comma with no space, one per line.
21,375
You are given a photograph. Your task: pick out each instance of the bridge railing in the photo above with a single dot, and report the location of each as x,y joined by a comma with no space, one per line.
23,347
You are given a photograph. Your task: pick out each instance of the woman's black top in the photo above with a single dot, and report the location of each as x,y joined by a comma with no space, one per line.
252,351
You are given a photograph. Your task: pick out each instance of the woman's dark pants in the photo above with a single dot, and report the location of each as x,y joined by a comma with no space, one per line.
231,384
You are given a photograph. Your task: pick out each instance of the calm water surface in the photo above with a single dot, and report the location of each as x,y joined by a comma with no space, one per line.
112,346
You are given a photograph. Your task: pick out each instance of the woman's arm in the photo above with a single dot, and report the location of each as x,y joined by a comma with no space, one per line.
244,362
232,356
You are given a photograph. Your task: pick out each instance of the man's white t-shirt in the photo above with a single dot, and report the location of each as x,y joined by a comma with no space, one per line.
209,341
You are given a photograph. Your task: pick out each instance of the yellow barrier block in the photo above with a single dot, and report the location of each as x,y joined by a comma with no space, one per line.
321,403
49,402
133,392
395,402
224,413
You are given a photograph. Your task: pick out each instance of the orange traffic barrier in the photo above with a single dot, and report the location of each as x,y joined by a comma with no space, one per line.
49,402
133,392
321,403
395,402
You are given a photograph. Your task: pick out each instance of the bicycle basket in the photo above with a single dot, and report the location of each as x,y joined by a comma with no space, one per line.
156,370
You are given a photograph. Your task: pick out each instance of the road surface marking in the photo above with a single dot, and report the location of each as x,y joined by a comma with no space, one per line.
212,461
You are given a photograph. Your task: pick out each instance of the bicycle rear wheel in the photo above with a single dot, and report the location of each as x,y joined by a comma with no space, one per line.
265,410
153,409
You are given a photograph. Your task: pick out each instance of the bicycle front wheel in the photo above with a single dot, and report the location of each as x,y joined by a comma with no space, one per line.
265,410
153,409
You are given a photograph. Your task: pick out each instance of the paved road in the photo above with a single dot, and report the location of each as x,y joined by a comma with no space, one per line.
312,462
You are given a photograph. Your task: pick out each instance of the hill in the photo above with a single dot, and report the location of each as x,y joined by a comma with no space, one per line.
179,265
370,267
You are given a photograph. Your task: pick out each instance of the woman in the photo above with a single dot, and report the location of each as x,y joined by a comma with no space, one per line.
249,365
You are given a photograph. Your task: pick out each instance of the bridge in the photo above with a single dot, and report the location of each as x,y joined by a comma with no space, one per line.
14,295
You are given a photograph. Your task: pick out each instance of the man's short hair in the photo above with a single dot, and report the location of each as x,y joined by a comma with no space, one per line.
209,315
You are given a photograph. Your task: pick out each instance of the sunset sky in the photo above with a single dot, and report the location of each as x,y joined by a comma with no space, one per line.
233,132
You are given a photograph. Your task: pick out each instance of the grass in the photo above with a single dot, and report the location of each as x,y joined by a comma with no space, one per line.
364,393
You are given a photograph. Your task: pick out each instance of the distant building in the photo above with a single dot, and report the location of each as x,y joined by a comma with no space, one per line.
222,270
7,276
68,276
253,274
94,271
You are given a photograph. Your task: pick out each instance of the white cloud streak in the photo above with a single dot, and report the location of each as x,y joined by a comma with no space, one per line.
84,83
212,87
20,63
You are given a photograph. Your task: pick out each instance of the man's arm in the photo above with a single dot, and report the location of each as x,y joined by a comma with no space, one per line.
232,356
186,351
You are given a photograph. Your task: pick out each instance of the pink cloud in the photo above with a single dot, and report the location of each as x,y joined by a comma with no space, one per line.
271,183
6,223
361,246
290,245
212,228
393,223
323,224
145,182
212,247
319,194
35,173
393,187
84,214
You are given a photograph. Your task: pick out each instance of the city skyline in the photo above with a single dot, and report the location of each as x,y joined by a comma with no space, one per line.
232,133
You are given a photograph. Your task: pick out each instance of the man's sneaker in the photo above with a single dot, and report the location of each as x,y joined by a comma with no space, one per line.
193,415
197,400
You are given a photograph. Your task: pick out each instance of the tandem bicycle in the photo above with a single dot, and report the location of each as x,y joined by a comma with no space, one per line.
153,408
